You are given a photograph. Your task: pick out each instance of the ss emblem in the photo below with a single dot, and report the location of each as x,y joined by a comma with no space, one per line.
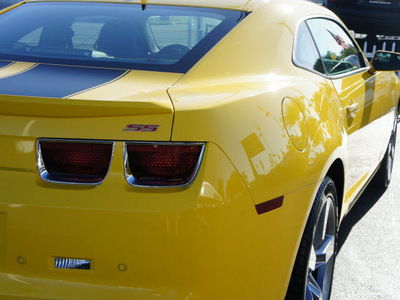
142,128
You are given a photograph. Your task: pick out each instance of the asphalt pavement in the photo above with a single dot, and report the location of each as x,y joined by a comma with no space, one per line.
368,260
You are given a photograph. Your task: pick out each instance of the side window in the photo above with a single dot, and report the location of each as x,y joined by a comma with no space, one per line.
305,54
339,53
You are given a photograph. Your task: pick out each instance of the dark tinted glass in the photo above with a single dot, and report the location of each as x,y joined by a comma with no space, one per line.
338,51
159,38
305,53
386,61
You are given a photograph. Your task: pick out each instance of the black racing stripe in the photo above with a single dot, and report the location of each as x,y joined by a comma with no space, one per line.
56,81
4,63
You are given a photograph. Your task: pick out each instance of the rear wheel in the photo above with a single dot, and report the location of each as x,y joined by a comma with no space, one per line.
384,174
313,270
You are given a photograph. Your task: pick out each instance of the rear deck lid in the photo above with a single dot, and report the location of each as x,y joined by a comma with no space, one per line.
96,71
79,103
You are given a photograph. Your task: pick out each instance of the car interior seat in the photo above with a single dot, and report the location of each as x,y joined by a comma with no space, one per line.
117,39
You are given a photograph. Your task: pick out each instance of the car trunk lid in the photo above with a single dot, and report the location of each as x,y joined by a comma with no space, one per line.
79,103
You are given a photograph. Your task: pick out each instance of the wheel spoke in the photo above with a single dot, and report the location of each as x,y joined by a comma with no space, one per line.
321,260
319,242
313,291
390,158
320,230
312,263
325,251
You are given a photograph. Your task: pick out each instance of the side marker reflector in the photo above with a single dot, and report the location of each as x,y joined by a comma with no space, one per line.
267,206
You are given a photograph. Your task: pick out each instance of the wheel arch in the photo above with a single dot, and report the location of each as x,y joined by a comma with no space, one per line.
336,173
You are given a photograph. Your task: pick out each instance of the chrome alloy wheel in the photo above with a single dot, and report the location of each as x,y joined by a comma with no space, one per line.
322,255
390,156
384,174
313,269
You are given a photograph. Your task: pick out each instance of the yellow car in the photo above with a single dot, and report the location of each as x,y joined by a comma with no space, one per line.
183,149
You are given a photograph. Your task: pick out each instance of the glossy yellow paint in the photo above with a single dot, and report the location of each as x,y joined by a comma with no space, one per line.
295,124
204,241
369,112
193,238
95,114
213,94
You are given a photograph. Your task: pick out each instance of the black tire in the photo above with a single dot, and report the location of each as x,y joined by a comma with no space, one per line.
384,175
313,270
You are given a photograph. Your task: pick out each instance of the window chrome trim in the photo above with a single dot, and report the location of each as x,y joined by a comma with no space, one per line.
348,74
44,174
130,179
296,44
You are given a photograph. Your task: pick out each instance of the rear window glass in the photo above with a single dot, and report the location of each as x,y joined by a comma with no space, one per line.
144,37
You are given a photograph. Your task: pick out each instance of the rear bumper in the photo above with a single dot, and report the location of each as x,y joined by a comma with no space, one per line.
202,242
15,287
376,21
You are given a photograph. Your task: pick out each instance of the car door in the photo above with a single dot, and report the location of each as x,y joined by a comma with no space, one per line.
362,95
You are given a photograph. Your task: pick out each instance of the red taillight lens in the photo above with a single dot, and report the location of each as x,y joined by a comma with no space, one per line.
162,164
74,162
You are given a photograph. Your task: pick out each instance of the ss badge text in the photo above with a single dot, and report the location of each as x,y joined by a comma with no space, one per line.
142,128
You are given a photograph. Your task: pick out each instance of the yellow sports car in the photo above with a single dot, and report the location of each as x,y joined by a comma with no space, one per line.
183,149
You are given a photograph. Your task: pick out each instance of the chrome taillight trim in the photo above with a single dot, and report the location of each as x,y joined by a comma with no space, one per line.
132,180
44,174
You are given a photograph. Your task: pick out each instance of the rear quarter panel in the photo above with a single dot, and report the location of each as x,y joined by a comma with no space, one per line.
236,98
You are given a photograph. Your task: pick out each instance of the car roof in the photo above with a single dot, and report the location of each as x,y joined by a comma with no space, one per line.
243,5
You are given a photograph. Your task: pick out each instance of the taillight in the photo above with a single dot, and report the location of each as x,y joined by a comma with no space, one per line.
163,164
79,162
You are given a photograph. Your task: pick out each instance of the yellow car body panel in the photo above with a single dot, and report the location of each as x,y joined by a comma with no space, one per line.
272,131
223,92
373,112
190,237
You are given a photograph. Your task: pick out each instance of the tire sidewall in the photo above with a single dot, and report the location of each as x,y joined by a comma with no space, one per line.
298,281
327,188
